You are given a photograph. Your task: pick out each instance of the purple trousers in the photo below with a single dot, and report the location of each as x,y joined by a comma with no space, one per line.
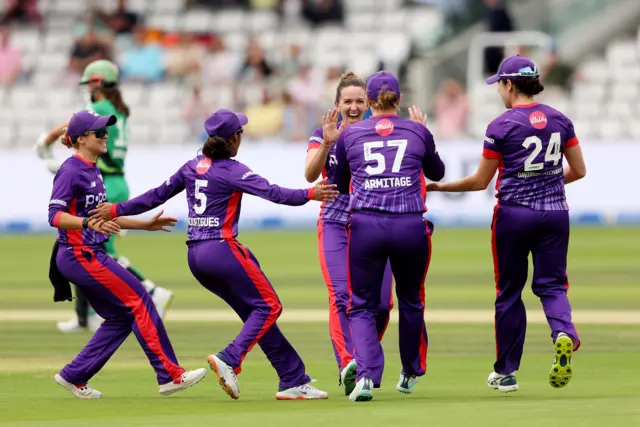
405,242
516,232
332,250
119,298
232,272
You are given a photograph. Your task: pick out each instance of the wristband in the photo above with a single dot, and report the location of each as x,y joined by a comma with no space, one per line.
85,223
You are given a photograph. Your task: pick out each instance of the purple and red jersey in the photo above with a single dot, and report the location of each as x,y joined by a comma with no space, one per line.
77,189
338,209
214,196
530,140
385,159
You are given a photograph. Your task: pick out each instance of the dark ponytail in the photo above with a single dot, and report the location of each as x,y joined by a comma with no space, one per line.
216,147
114,96
531,86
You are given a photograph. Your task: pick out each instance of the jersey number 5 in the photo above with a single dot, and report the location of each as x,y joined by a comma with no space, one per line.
381,166
553,153
201,205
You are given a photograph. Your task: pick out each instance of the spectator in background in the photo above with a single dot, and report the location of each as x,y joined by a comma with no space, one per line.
306,92
86,50
319,12
10,59
332,78
22,10
555,73
292,61
194,113
498,20
143,62
451,110
255,68
122,21
219,66
185,59
265,119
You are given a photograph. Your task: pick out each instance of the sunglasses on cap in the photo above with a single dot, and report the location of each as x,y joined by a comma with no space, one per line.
100,133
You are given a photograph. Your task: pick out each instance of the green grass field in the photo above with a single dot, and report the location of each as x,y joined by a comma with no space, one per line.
604,272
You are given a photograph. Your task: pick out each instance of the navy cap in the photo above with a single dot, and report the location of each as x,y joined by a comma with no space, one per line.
514,68
381,82
224,123
84,120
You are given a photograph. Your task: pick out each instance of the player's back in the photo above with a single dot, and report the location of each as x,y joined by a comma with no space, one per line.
214,206
530,140
388,158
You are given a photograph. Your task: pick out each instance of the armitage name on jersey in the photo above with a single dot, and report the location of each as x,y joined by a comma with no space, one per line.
204,221
403,181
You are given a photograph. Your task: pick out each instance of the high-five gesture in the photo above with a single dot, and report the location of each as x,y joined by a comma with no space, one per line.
330,129
417,115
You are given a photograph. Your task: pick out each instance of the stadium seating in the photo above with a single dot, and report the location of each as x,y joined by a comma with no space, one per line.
46,54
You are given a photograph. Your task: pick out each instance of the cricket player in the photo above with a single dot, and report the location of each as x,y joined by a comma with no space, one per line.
350,102
102,78
80,257
215,184
527,145
385,159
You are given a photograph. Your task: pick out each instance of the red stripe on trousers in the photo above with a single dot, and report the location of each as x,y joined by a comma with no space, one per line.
132,300
265,289
424,347
335,329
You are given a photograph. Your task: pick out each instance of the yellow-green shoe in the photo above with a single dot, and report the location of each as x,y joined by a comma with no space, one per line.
561,370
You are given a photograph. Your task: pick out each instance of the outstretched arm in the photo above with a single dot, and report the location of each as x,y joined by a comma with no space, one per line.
144,202
480,180
246,181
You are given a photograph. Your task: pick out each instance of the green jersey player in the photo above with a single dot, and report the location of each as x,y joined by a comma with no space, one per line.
102,78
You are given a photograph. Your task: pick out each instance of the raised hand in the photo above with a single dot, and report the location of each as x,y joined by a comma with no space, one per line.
330,129
417,115
324,192
159,223
102,211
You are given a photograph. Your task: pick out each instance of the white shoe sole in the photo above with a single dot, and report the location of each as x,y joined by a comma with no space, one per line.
213,364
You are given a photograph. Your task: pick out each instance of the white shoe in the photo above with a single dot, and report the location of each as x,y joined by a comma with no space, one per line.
503,383
348,377
84,392
162,299
226,376
188,379
363,391
71,326
94,321
406,383
302,392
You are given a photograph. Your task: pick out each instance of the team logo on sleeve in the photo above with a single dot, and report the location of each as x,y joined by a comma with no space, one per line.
203,165
384,127
538,120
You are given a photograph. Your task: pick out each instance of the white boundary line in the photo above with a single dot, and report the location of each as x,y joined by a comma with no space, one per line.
318,316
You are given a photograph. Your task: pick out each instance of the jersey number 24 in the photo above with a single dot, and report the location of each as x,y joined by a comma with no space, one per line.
553,153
